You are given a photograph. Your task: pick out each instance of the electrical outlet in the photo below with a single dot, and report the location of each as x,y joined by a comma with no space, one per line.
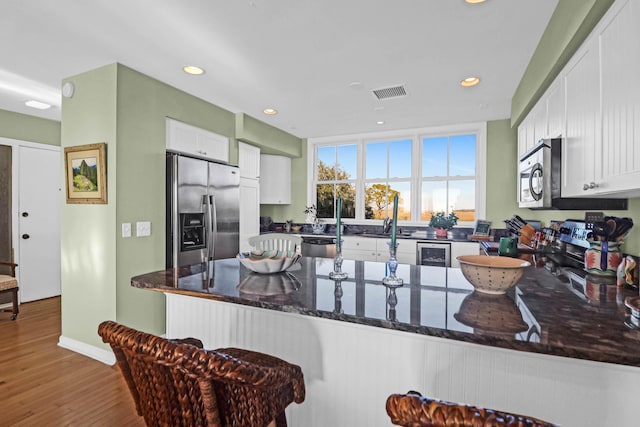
126,229
143,228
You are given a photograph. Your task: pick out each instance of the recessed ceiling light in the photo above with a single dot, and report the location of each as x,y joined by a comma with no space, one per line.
470,81
270,111
474,1
379,122
192,69
37,104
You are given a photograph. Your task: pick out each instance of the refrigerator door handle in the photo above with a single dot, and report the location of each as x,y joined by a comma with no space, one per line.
214,225
206,201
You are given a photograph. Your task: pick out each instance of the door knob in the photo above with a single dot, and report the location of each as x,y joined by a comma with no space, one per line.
25,236
25,214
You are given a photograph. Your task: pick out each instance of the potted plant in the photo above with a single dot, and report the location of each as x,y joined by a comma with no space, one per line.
443,222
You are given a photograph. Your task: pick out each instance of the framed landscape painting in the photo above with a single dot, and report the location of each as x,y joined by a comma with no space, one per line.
86,173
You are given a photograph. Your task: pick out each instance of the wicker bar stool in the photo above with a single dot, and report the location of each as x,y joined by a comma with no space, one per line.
276,242
177,383
414,410
9,284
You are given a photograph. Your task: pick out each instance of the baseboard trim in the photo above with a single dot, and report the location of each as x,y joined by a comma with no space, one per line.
105,356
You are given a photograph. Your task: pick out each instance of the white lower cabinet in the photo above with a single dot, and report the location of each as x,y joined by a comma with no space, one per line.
371,249
463,248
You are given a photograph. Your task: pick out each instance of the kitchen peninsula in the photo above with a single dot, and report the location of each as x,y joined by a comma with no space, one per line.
359,341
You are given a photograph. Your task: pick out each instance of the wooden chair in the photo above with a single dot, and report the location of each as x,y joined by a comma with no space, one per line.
277,241
177,383
414,410
8,283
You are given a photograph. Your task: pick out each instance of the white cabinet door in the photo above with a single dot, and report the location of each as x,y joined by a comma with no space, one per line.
359,248
620,67
249,211
554,100
368,249
248,161
187,139
275,180
249,165
406,252
463,248
582,92
526,135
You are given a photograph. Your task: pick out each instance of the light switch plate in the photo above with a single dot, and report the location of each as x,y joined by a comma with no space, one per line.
126,229
143,228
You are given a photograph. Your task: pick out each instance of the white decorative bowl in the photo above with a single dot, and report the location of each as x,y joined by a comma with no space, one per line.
492,274
268,262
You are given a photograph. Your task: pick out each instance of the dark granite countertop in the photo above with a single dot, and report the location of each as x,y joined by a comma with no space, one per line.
544,313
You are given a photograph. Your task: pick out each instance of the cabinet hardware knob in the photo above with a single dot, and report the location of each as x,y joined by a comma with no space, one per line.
25,236
25,214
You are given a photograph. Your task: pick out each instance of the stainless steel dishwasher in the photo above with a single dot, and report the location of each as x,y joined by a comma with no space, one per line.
318,246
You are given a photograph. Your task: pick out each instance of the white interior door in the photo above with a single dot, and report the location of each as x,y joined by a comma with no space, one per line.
38,217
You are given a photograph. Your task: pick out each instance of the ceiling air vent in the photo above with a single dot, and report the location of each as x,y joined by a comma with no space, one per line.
390,92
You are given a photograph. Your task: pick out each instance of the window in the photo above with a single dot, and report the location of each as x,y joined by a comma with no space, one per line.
336,176
449,176
431,170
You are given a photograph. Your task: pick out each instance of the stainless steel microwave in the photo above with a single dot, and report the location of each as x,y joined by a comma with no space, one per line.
534,176
539,182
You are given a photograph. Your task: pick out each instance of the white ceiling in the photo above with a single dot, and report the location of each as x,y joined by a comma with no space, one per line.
301,57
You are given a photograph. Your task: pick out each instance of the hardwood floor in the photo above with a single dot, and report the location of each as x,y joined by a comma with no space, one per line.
42,384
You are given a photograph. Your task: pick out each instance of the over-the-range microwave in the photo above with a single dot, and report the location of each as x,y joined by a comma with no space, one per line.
539,182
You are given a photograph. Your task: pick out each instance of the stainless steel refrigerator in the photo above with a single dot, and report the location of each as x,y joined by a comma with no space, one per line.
203,212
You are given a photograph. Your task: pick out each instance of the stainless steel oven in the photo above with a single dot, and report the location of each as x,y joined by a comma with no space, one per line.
433,253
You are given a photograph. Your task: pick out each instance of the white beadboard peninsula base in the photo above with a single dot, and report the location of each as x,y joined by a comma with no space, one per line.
351,369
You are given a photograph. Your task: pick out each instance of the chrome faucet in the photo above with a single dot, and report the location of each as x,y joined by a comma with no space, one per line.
386,225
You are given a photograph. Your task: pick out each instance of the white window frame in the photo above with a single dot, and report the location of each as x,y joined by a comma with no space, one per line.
417,135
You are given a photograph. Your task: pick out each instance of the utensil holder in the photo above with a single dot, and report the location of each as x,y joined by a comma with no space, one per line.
603,258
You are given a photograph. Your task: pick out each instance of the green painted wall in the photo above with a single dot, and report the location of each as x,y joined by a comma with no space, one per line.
502,155
29,128
127,110
143,104
88,232
570,24
271,140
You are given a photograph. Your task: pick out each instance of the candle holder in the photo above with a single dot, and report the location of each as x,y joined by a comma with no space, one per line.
337,294
392,301
391,279
337,273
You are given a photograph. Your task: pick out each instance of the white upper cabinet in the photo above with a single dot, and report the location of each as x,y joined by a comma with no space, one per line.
581,84
603,109
187,139
619,156
275,180
554,98
545,120
248,161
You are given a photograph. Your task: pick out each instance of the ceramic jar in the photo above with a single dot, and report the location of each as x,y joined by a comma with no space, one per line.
603,258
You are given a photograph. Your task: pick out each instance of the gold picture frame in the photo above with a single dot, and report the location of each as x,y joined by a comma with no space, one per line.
86,175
